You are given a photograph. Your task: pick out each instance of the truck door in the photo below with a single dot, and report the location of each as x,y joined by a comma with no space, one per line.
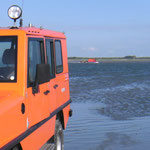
60,89
52,83
38,104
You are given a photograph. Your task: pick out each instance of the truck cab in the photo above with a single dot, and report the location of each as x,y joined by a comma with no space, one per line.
34,88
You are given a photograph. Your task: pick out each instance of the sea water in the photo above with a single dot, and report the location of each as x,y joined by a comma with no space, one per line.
111,106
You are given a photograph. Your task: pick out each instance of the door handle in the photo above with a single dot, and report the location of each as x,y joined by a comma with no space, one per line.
55,86
46,92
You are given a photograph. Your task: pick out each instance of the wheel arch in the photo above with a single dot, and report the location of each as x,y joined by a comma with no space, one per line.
17,147
60,116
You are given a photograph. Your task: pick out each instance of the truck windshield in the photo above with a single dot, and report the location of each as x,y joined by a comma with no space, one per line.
8,58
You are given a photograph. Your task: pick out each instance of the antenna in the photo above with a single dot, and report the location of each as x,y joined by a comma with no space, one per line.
22,7
21,20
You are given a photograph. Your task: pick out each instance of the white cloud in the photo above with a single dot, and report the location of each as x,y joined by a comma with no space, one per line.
91,48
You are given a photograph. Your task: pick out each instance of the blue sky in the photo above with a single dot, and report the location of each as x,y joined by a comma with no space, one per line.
94,28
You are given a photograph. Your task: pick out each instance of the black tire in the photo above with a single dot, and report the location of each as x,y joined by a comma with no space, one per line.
16,148
59,136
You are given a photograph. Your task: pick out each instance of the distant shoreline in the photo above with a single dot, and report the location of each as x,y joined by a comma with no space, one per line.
109,59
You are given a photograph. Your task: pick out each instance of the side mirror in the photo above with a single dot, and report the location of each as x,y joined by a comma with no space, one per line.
42,76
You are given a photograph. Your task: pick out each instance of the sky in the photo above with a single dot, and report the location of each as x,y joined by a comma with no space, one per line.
94,28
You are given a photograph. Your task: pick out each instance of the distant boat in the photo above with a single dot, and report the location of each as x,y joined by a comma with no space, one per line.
92,60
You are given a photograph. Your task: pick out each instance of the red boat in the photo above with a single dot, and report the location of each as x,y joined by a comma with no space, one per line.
92,60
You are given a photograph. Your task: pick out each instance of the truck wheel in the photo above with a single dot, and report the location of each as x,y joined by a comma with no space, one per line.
16,148
59,136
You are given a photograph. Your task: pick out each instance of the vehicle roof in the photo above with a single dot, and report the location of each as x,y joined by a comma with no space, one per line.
38,31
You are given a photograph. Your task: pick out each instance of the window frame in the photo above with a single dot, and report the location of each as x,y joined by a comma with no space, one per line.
52,52
60,66
30,84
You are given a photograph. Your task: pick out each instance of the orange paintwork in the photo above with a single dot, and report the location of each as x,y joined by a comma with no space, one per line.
41,134
37,107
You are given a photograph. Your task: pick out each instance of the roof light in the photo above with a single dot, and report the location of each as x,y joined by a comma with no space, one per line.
14,12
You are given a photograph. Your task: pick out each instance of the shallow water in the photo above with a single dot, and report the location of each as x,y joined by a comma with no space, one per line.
111,106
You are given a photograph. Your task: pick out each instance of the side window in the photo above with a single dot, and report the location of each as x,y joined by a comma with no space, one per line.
50,57
35,56
58,55
8,58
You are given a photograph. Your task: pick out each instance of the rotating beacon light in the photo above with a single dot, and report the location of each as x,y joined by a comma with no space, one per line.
14,12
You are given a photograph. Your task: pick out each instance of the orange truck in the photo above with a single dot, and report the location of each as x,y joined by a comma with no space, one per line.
34,87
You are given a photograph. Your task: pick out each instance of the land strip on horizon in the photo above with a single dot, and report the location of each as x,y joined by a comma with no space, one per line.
109,59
